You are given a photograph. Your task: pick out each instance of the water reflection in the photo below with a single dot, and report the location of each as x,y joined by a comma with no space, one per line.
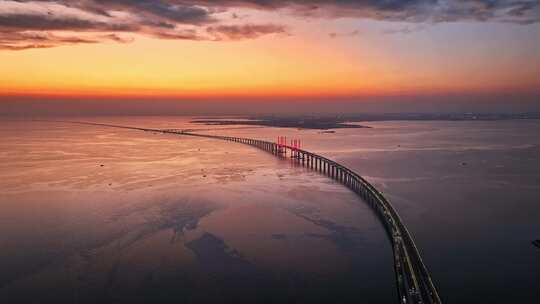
90,214
468,191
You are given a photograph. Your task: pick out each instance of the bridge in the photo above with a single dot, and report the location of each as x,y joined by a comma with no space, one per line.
414,282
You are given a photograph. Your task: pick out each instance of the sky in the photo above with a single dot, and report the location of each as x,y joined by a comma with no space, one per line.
475,54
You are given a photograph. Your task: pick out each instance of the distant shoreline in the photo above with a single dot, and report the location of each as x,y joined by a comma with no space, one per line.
317,124
346,121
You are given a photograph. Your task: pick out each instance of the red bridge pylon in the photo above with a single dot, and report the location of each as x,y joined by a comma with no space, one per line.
294,146
281,145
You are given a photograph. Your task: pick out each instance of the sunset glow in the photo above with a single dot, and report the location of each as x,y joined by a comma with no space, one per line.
349,54
269,151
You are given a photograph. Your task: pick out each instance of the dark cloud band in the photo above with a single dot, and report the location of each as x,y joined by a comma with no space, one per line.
199,19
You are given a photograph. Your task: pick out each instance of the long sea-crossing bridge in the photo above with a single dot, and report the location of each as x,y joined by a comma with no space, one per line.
414,282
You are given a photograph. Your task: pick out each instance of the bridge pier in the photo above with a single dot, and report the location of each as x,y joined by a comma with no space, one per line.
409,267
414,282
330,170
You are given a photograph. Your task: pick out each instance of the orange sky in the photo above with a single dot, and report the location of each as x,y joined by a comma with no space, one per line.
305,62
269,65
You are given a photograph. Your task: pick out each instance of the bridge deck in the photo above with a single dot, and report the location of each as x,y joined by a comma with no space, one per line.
414,282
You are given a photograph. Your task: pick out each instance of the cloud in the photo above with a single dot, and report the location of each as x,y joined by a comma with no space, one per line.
517,11
17,41
41,15
347,34
203,19
245,31
24,47
117,38
408,29
178,20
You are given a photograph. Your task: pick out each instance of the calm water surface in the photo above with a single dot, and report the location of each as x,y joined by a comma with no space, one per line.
98,215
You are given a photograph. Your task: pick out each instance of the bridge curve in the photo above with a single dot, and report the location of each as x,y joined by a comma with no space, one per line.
413,280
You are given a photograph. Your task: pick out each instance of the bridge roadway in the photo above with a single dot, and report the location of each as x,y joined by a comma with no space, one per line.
414,282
